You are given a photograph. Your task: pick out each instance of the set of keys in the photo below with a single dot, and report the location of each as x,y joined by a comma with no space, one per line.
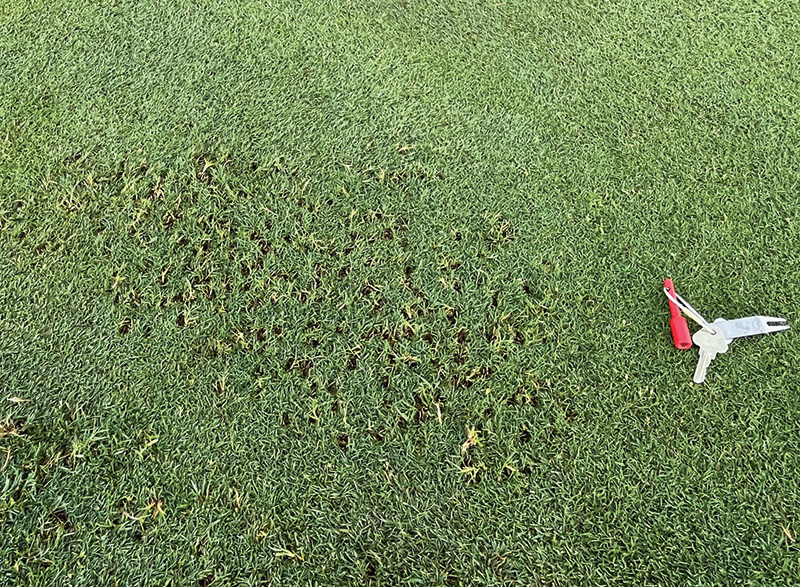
713,339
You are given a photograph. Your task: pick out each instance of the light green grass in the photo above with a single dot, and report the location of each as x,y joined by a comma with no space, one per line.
299,293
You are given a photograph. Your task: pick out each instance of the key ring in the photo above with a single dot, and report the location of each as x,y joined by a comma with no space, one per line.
687,309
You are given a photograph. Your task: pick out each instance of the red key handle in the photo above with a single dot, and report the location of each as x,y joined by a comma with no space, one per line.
680,329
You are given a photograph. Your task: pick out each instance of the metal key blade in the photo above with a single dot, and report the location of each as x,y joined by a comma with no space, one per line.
750,326
710,346
702,365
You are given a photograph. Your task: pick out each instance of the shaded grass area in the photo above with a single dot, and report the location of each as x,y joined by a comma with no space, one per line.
314,293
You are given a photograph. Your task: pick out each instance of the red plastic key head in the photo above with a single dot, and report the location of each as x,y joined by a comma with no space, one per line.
677,323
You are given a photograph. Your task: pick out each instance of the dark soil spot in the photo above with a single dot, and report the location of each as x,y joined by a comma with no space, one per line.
125,327
371,572
61,516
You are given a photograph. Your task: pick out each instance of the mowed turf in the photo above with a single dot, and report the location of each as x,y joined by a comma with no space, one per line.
329,293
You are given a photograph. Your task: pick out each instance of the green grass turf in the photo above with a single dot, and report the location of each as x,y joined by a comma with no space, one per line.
305,292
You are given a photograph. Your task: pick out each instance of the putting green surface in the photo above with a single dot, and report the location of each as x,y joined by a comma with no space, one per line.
314,293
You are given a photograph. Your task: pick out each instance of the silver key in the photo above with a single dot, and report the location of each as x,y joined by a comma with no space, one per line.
750,326
710,346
